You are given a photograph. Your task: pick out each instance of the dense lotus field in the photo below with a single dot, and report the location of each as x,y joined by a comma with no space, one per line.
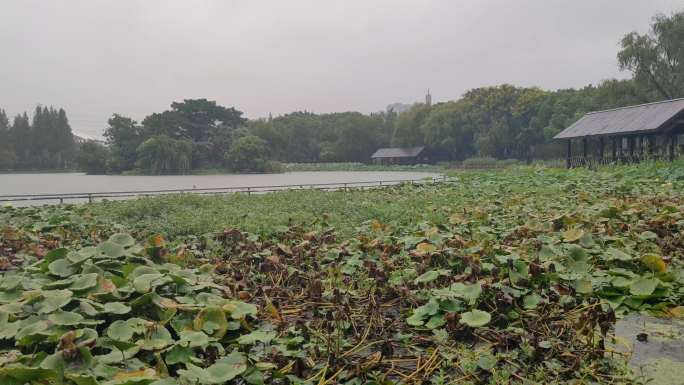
511,277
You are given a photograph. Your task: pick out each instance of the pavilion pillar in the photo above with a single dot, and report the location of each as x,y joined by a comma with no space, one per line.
568,154
621,148
630,143
602,148
585,149
614,149
673,141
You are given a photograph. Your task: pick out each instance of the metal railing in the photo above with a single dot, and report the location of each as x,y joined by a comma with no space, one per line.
92,196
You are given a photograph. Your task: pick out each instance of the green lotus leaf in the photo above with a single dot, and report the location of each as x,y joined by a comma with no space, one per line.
583,286
122,239
121,351
531,301
82,379
179,354
643,286
82,254
145,282
436,321
429,276
8,329
212,320
120,331
65,318
486,361
116,308
25,374
11,282
415,320
459,290
476,318
84,282
61,268
111,249
55,254
239,309
256,336
155,339
617,254
193,339
31,332
54,299
225,369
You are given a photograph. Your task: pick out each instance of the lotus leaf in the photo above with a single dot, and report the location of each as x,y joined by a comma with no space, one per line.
222,371
643,286
256,336
213,321
193,339
122,239
61,268
111,249
239,309
476,318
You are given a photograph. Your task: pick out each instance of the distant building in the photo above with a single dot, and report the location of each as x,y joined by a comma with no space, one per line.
398,155
81,139
428,98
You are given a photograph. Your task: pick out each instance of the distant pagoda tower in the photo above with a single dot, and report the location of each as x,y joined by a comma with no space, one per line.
428,98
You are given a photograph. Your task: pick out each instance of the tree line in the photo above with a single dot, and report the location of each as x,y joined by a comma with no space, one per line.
502,121
43,142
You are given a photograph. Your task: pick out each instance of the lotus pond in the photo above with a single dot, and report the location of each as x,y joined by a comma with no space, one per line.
491,278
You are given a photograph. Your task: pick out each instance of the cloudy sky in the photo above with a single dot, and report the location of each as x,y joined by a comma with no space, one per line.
95,57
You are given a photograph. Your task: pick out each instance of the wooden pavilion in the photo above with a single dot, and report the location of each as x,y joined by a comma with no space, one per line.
634,133
400,155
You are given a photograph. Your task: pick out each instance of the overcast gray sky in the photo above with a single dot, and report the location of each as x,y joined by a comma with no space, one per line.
95,58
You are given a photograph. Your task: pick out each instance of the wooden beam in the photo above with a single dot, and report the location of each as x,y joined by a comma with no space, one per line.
602,148
569,154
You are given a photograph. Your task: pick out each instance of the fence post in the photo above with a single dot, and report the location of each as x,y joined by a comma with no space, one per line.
61,200
345,187
90,198
249,191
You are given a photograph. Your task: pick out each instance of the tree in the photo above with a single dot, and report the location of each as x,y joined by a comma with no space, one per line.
7,154
92,158
163,155
206,124
656,59
448,130
248,154
20,138
407,128
123,137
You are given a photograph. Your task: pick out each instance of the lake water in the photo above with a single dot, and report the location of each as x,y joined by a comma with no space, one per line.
65,183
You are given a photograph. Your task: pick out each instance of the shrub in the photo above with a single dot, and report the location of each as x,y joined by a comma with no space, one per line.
249,154
485,162
161,154
92,158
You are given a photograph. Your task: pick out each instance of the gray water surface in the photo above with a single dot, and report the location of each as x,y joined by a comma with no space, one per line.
65,183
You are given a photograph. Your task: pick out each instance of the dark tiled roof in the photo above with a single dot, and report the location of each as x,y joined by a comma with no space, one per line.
405,152
643,118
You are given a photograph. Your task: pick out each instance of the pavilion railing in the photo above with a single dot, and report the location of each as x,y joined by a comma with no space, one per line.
596,161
